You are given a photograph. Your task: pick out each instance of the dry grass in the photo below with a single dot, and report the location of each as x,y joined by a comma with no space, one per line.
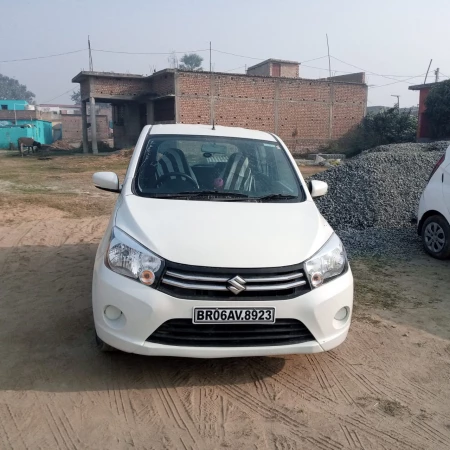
62,183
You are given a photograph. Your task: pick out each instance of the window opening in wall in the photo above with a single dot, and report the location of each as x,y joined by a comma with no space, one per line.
164,109
4,106
118,114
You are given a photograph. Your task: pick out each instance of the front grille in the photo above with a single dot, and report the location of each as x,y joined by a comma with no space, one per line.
201,283
182,332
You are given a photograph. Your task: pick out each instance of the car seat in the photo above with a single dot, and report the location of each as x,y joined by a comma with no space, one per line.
173,160
237,175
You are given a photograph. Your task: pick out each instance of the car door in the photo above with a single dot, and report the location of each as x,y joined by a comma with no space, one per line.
446,180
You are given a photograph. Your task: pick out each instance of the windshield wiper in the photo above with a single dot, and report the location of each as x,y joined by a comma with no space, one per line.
276,197
213,193
195,194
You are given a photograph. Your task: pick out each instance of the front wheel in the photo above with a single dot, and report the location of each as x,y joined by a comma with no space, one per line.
103,346
436,237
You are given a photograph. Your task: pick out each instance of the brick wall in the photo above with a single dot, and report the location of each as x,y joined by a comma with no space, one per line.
72,130
162,84
289,70
115,87
359,77
297,110
263,70
266,70
127,134
28,115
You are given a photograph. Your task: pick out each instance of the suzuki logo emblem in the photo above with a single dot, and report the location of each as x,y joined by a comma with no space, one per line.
236,285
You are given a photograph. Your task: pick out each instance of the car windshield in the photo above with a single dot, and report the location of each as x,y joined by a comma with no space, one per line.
216,168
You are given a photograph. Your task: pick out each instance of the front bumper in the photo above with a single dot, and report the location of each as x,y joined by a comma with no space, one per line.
145,309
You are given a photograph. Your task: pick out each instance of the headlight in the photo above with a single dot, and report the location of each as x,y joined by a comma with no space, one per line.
127,257
329,262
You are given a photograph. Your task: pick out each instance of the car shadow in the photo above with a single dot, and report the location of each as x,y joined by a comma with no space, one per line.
47,334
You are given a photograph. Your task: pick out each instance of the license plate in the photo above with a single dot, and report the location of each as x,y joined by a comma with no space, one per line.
233,315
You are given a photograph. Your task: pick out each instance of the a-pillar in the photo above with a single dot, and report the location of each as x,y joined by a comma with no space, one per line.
93,126
84,127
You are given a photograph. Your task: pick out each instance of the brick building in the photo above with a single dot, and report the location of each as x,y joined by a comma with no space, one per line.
423,127
305,113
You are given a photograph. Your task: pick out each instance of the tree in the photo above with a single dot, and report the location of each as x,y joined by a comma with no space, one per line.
76,97
11,89
191,61
389,126
438,110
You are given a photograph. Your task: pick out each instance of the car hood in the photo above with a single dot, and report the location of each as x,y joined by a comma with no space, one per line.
225,234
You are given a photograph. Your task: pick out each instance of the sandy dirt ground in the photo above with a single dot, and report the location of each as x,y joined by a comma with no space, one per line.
386,387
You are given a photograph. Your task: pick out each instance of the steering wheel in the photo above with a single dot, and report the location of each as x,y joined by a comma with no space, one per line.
168,175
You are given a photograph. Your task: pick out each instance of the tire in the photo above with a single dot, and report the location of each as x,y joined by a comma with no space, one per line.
103,346
436,237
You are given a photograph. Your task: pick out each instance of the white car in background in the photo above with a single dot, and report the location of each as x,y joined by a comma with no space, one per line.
434,210
216,249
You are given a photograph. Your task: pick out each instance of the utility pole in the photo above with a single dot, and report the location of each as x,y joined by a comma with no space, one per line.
426,76
211,100
329,60
436,73
330,118
91,65
398,100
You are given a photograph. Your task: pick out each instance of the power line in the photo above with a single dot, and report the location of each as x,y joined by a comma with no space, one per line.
236,68
398,81
344,71
240,56
389,77
60,95
263,59
43,57
147,53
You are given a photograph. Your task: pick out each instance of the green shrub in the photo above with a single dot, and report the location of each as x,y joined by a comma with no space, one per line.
438,110
389,126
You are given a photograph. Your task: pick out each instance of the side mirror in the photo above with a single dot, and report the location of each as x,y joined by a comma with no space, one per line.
108,181
318,188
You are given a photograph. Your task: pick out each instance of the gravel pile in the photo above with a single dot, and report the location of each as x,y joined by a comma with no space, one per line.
401,243
377,189
372,198
438,146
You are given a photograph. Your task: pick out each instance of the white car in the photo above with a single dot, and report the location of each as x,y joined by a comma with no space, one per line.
434,210
216,249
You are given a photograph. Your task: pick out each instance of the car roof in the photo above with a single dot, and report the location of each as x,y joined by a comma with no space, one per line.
206,130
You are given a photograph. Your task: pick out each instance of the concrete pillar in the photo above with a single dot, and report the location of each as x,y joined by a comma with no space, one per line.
84,127
93,126
177,96
276,102
150,113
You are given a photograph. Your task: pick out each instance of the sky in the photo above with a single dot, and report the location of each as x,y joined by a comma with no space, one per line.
393,38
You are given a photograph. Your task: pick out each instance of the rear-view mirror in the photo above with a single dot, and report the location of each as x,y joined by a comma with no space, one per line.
318,188
214,148
108,181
